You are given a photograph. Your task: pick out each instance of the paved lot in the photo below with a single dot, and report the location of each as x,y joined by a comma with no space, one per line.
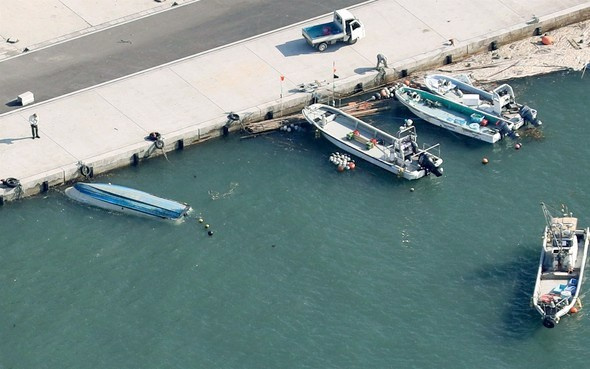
104,127
171,34
41,23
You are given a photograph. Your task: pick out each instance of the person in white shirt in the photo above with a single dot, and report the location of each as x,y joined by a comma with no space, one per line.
34,120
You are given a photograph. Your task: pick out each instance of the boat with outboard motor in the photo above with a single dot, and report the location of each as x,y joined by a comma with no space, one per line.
127,200
399,154
500,101
456,117
561,267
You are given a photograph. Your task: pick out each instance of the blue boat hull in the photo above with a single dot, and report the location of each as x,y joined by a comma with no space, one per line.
127,200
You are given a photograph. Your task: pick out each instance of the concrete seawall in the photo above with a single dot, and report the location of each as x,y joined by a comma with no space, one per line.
206,114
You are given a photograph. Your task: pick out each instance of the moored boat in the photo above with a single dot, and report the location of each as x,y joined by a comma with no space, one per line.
127,200
399,154
456,117
561,267
500,101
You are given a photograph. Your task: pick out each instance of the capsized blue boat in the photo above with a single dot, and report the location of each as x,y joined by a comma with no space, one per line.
126,200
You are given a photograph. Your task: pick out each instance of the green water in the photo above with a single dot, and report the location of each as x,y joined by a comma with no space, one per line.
307,267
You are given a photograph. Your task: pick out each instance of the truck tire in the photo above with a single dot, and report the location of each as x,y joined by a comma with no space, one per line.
352,42
322,47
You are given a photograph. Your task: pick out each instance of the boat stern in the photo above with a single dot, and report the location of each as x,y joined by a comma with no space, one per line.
550,322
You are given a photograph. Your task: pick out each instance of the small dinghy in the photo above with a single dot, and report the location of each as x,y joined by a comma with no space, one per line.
561,268
127,200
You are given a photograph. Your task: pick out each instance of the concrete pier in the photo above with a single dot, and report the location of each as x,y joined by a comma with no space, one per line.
188,101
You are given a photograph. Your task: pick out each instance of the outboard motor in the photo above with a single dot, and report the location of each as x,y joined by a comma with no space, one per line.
529,115
505,130
549,322
427,163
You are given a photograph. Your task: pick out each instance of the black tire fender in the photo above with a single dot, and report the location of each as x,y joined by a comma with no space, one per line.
85,170
12,182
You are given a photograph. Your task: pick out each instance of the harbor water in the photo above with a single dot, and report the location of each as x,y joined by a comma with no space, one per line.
307,267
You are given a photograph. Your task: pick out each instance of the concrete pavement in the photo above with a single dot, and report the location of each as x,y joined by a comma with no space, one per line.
187,101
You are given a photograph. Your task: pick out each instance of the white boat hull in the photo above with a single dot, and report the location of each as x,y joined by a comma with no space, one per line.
453,116
500,102
395,169
464,130
560,274
398,155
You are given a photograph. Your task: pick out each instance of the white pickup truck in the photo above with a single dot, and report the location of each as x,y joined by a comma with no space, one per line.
345,27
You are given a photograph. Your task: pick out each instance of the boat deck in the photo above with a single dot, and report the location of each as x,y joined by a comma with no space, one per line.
340,129
550,281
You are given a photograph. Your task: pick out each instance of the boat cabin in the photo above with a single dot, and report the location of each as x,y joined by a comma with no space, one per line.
561,245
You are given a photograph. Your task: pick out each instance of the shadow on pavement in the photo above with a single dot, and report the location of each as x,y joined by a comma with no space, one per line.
13,103
299,47
364,70
295,47
10,141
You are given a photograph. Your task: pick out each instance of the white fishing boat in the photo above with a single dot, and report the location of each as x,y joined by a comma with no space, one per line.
500,101
561,267
127,200
456,117
399,154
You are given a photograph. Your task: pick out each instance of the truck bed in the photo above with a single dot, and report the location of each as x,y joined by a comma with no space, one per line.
327,30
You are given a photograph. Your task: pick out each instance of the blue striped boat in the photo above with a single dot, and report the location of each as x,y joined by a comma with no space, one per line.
127,200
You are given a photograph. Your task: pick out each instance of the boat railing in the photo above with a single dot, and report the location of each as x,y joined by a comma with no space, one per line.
383,151
406,130
432,147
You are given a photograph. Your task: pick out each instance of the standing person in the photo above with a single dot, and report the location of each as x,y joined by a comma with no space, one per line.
34,119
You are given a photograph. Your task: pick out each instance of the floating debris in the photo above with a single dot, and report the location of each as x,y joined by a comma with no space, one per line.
532,132
273,124
216,195
291,122
293,127
567,48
